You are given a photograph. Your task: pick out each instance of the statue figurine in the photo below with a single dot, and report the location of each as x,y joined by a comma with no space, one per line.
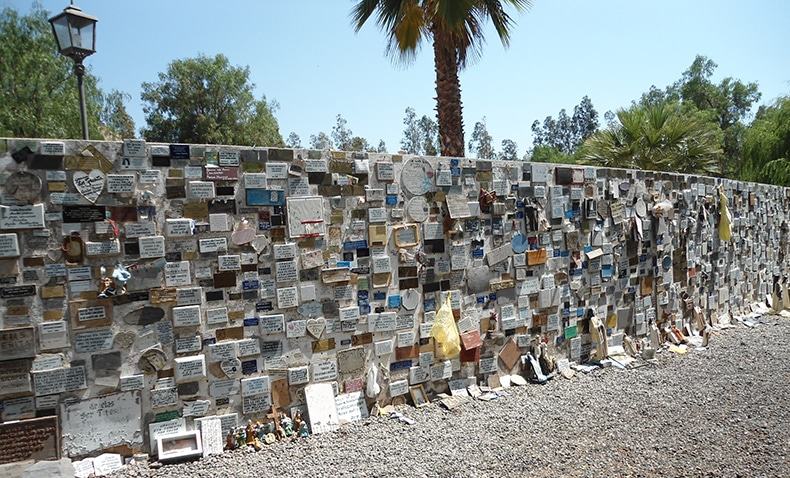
241,437
304,432
250,434
230,441
286,424
297,422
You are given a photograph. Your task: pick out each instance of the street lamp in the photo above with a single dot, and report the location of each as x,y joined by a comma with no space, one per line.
75,33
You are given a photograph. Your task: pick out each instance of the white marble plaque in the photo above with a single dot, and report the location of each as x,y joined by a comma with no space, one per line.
132,382
140,229
298,375
324,370
53,148
59,380
152,247
255,386
284,251
277,170
222,351
213,244
156,429
230,262
53,335
399,387
134,148
189,296
177,274
271,324
255,181
186,316
179,227
98,423
201,190
188,369
217,316
287,297
93,341
22,217
9,245
121,183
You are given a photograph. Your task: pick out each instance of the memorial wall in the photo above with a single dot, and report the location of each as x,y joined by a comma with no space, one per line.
146,289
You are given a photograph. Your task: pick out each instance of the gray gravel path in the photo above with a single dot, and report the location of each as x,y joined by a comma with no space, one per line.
724,411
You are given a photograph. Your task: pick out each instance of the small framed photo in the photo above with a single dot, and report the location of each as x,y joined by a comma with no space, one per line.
418,395
179,446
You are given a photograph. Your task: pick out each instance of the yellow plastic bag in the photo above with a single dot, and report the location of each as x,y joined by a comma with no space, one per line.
445,332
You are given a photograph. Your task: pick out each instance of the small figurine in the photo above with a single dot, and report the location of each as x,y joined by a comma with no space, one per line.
297,422
241,437
230,441
286,424
250,434
304,432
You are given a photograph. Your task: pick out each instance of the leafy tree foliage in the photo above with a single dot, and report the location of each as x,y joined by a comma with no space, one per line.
547,154
38,90
482,143
766,145
116,123
567,133
509,150
421,135
293,141
207,100
456,32
726,104
343,138
320,141
662,137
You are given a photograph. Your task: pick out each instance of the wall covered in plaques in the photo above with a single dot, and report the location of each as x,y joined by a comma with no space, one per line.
156,284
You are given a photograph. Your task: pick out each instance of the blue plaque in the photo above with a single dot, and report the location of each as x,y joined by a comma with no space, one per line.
354,245
251,284
379,295
402,365
394,301
209,341
265,197
392,200
251,322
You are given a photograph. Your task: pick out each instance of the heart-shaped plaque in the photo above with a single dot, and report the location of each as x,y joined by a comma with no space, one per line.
90,185
316,327
231,367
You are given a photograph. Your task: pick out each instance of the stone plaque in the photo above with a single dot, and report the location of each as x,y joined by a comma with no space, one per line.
99,423
59,380
35,439
17,343
15,377
77,214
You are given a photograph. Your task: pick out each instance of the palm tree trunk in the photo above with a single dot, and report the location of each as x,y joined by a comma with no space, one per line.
448,96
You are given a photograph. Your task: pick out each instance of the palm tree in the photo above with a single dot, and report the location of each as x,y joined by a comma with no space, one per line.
659,137
456,29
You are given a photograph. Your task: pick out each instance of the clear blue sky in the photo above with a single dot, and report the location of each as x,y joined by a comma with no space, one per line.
305,55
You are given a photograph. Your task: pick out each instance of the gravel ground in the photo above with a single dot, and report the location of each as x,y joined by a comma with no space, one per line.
724,411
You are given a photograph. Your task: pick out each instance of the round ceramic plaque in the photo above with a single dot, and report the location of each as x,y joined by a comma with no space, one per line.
418,209
24,186
519,243
417,176
641,208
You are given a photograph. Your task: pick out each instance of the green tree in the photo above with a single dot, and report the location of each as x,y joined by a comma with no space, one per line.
320,141
207,100
766,145
421,134
341,135
293,141
38,90
660,137
455,29
727,104
482,143
509,150
116,122
548,154
567,133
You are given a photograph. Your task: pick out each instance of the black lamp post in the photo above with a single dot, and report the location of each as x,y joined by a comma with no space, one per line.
75,33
